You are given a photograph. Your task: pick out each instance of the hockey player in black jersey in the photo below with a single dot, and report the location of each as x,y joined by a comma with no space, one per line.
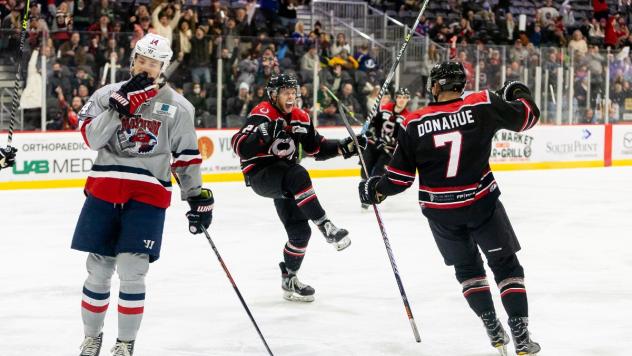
267,145
382,134
7,156
449,143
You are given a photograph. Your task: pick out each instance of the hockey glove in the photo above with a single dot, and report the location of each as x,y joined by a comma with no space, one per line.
513,90
348,148
201,213
7,156
133,94
368,192
281,143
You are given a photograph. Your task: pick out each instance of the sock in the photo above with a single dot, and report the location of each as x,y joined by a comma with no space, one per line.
293,256
476,292
94,304
514,296
130,313
307,201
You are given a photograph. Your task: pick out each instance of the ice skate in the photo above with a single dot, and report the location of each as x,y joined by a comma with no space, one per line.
335,236
293,289
91,346
123,348
522,339
497,335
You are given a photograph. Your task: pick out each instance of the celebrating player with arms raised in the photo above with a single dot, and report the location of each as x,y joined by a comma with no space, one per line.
449,143
268,148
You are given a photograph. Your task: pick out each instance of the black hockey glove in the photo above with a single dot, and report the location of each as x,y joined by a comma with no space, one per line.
7,156
348,148
368,192
201,213
281,142
133,94
513,90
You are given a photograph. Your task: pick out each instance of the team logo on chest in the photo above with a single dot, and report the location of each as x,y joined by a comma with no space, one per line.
138,135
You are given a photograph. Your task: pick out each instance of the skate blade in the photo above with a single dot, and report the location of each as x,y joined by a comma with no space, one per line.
342,244
502,350
294,297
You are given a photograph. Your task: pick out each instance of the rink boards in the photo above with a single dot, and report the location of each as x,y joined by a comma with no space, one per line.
62,159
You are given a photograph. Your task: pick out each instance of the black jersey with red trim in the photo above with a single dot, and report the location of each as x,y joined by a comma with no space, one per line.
386,124
255,154
449,144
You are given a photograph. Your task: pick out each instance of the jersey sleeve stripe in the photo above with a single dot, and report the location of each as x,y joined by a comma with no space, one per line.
186,163
400,172
189,152
86,122
400,182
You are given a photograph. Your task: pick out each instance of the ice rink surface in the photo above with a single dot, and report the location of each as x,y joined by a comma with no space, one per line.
575,227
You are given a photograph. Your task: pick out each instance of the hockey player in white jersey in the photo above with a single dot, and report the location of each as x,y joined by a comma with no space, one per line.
142,130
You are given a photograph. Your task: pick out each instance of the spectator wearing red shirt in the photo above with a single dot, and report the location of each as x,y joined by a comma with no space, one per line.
600,9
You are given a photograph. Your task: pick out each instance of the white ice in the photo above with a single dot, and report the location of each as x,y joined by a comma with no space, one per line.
574,226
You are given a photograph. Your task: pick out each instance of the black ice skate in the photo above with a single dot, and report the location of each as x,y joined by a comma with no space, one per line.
293,289
123,348
497,335
91,346
522,339
335,236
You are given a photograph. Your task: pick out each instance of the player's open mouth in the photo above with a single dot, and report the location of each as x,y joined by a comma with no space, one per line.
289,105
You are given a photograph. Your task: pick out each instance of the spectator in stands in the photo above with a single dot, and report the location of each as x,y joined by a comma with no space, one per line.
464,31
259,95
307,100
241,104
547,14
334,77
309,62
60,80
105,8
197,97
348,99
103,27
287,13
340,44
72,52
161,22
364,59
535,36
578,44
201,49
597,31
182,40
508,29
600,9
343,58
247,68
83,92
436,31
268,65
62,25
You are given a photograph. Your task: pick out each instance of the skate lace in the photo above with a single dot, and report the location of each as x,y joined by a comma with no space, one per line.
294,283
121,349
330,228
90,345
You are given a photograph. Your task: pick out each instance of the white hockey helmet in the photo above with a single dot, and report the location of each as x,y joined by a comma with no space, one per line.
155,47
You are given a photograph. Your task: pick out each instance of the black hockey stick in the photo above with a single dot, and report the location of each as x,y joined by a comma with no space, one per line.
389,77
232,281
333,96
16,86
387,244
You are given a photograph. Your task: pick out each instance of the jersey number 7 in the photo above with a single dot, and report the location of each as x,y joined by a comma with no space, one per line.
454,138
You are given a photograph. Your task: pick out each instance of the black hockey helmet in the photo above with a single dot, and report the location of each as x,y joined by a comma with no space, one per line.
281,81
402,92
449,75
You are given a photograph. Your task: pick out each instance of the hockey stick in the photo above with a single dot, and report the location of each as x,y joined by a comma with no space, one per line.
230,278
391,73
16,86
387,244
333,96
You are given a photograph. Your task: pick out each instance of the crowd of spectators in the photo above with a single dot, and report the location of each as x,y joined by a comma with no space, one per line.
83,40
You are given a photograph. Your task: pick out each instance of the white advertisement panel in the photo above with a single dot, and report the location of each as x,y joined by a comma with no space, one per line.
575,143
49,156
621,142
